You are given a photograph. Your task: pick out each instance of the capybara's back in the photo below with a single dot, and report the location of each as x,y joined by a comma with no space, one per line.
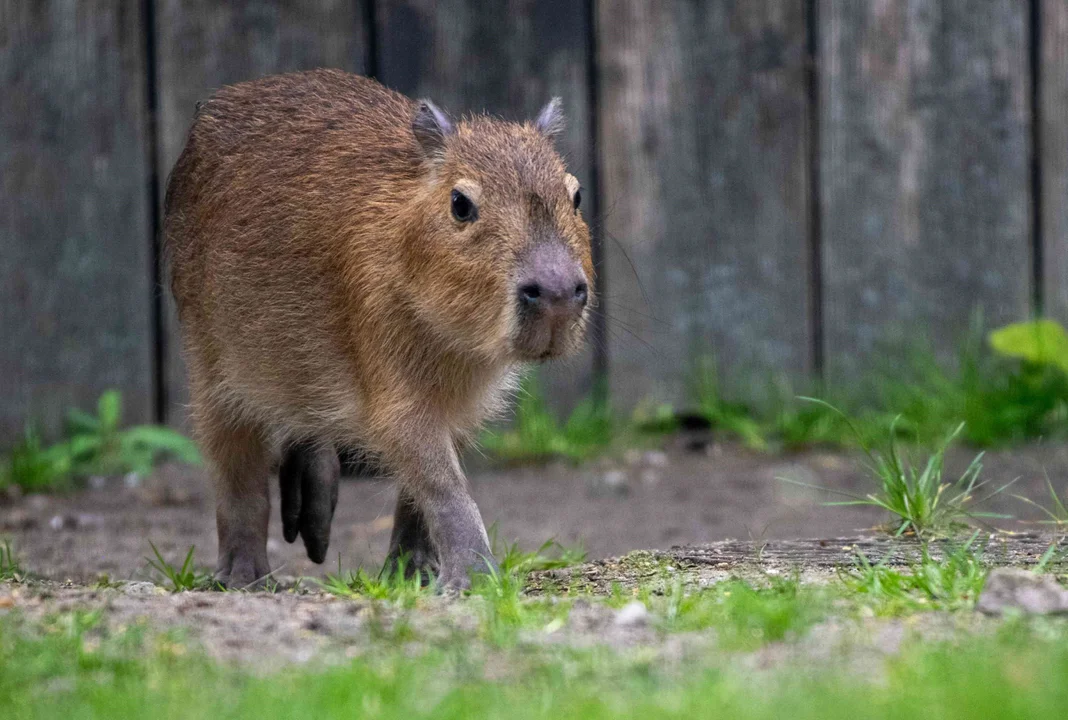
353,268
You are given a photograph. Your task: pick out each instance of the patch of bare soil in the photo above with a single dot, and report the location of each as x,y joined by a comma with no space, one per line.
647,500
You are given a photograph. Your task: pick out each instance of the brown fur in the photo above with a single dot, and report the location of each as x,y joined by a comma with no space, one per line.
326,293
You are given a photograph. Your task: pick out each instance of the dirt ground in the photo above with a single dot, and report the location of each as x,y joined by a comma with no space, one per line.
673,500
644,500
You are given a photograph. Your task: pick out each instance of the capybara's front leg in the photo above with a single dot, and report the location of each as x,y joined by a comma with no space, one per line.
239,456
442,509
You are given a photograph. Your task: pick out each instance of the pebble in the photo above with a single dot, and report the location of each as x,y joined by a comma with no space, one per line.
633,614
655,459
615,480
1009,589
142,588
63,522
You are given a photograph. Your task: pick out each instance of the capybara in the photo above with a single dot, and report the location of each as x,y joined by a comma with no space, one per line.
353,268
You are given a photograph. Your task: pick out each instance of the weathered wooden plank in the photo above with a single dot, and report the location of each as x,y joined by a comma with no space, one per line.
507,58
1053,154
703,112
75,274
924,172
202,45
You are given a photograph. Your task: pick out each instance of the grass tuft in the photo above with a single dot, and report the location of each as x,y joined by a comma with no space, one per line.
34,467
183,578
10,567
952,583
95,444
537,435
916,495
550,555
394,584
1056,513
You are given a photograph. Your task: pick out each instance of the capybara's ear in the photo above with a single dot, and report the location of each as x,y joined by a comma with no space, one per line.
551,120
431,126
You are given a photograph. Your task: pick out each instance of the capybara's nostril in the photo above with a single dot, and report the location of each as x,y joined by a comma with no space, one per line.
530,294
582,293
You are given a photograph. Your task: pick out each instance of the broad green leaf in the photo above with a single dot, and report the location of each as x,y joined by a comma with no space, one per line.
80,422
1044,342
109,409
155,439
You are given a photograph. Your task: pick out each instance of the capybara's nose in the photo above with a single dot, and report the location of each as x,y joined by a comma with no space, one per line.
552,281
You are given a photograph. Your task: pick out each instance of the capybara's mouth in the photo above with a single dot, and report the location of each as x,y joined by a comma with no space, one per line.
544,346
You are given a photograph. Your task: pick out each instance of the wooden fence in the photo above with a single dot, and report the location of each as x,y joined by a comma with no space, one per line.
780,184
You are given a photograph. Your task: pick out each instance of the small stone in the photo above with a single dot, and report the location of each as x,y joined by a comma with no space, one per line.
142,588
615,480
131,480
655,459
1010,589
633,614
63,522
98,482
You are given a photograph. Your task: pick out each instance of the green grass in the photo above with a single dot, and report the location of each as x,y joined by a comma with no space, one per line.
100,446
916,495
952,583
1008,387
10,568
392,584
735,419
549,555
183,577
94,444
744,617
72,667
537,435
33,467
72,664
399,587
1056,512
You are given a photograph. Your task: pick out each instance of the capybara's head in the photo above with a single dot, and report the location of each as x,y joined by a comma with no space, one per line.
501,257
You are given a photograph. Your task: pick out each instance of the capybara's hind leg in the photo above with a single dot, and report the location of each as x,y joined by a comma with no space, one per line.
410,539
309,477
239,454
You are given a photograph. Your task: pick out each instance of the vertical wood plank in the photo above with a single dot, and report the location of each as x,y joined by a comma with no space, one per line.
703,111
202,45
1053,154
924,138
508,58
75,260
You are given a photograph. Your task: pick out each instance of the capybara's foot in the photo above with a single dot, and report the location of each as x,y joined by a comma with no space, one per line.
242,568
309,478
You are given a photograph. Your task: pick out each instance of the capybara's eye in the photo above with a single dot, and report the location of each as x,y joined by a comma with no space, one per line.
577,200
462,208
